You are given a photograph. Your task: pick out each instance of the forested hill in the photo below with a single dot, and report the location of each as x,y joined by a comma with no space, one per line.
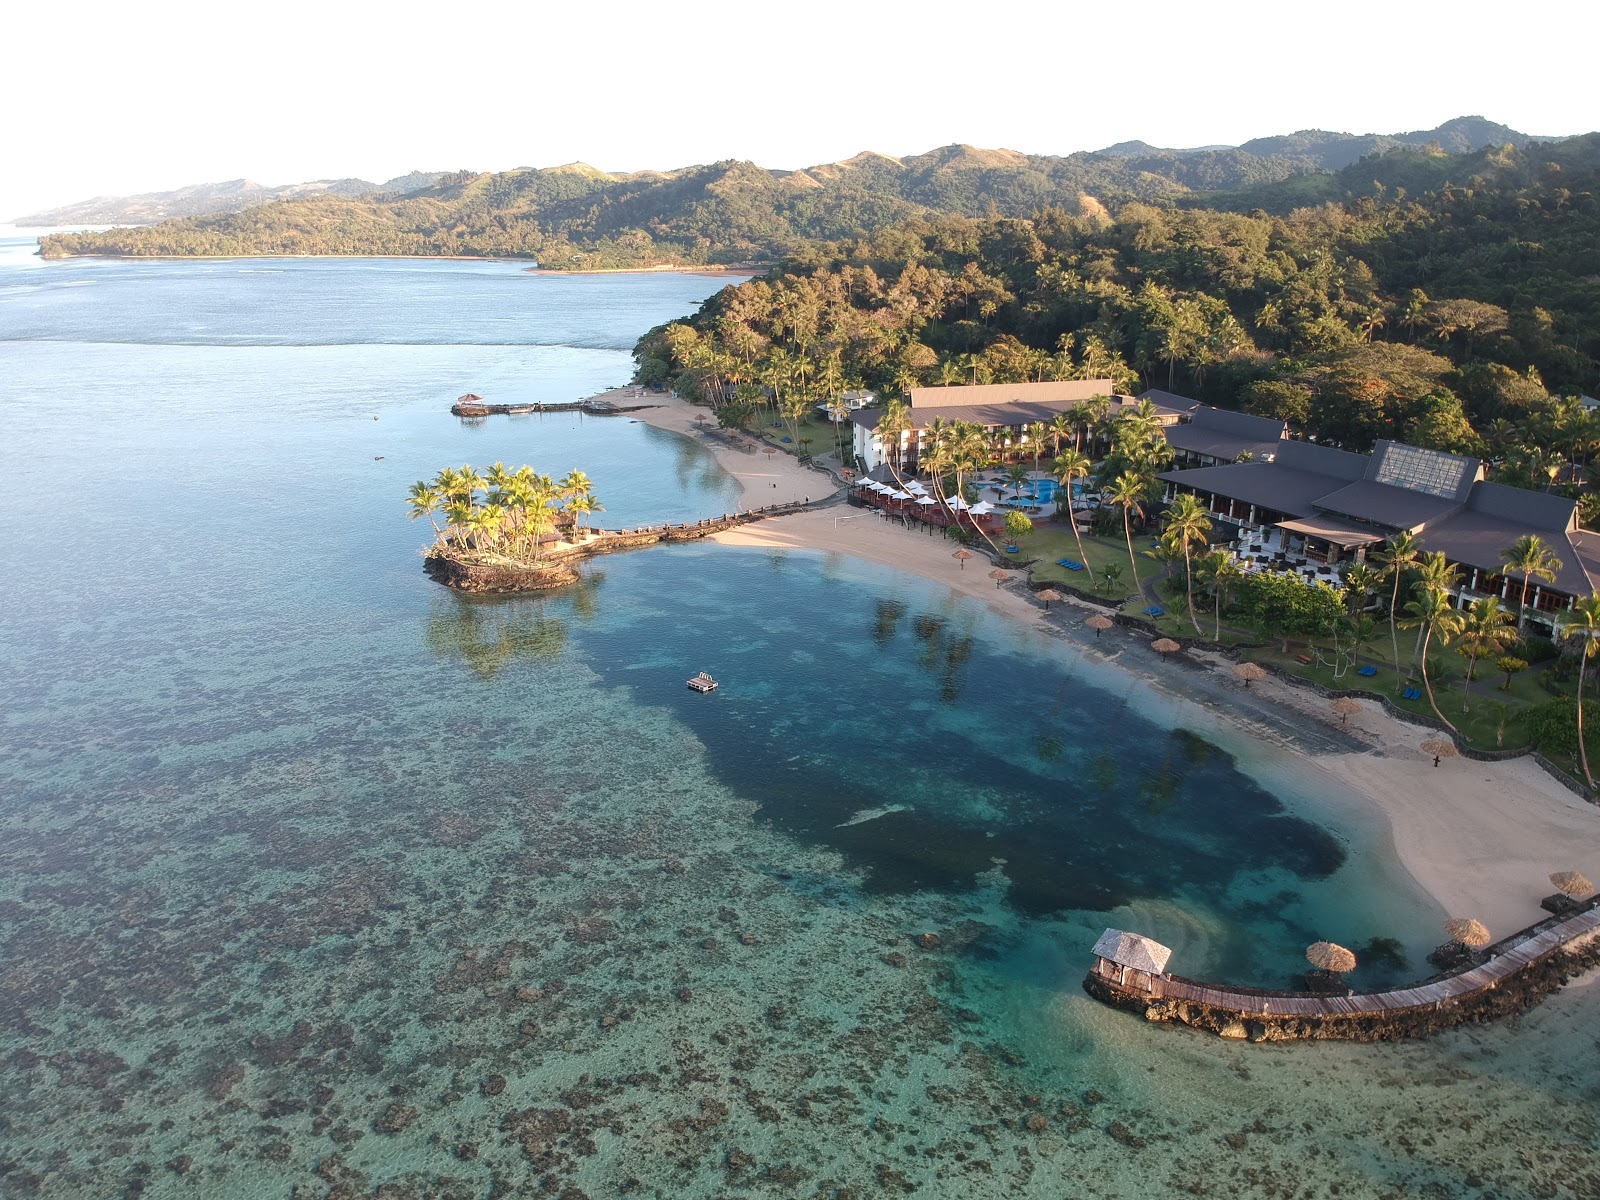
1448,317
204,199
580,217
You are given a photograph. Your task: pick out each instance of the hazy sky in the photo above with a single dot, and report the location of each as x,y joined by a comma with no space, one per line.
107,98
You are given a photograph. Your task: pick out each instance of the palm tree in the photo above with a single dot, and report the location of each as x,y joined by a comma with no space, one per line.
1583,622
1222,573
1396,558
1127,493
1433,614
1069,466
1360,582
1188,524
424,500
1016,477
1061,427
1530,557
1036,433
458,515
1483,633
893,426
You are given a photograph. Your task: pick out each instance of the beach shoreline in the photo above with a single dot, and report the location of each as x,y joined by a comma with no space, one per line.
1480,838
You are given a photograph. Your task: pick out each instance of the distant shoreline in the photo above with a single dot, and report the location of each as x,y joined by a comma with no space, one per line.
654,269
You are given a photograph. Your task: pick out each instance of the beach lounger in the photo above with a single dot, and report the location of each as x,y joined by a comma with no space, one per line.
1411,693
1368,671
1155,611
1070,564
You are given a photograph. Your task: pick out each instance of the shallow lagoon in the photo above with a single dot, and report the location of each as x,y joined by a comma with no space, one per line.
316,876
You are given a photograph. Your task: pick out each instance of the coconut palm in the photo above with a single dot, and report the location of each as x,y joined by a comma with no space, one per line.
1583,624
1483,633
1070,466
1434,616
1531,557
1360,582
894,425
1396,557
1037,432
458,514
1016,476
1061,427
425,500
1127,493
1188,525
1222,573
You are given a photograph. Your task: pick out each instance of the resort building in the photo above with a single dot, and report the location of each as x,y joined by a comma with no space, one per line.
1312,508
1007,407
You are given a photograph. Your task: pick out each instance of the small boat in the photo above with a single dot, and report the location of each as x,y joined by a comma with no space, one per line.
703,683
521,410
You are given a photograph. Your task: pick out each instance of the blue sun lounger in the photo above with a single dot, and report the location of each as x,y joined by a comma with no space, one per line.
1411,694
1155,611
1070,564
1368,670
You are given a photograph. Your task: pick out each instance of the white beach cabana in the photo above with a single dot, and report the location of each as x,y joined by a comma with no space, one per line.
957,502
982,508
927,500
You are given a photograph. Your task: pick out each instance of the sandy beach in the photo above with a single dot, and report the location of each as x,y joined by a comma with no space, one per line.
766,478
1480,838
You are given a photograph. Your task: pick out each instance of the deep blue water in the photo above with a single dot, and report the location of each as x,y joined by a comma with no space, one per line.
294,842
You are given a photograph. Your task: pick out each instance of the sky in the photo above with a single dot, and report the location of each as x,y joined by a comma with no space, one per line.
126,98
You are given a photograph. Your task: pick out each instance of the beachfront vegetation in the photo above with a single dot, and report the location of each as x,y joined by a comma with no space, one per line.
1455,314
502,513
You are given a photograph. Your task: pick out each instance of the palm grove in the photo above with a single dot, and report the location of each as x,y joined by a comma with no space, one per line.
515,516
1456,320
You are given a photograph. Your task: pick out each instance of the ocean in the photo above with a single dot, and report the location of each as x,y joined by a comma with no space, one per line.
318,879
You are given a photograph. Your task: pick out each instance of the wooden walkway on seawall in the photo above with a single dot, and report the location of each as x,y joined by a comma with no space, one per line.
1519,972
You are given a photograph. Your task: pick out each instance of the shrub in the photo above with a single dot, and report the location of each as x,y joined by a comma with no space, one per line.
1534,649
1509,665
1553,726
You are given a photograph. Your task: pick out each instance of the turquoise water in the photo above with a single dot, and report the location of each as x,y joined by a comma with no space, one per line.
315,876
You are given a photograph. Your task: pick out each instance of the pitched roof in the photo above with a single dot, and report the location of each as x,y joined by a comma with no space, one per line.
1540,510
1170,401
1064,391
1016,413
1477,539
1238,424
1384,504
1323,460
1132,950
1266,484
1197,439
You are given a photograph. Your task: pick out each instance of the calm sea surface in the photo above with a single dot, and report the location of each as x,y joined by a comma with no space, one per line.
318,879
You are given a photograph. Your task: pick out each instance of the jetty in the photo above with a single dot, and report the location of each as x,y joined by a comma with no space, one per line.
1510,976
473,407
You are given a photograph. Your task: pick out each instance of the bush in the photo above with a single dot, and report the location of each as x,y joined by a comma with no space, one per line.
1534,649
1553,726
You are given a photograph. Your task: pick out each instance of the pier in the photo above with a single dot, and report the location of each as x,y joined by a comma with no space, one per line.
1514,974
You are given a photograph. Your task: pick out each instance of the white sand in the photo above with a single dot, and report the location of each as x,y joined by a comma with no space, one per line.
766,478
1480,838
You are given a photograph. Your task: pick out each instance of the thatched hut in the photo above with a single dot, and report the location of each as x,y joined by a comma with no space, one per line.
1130,960
1330,956
1249,672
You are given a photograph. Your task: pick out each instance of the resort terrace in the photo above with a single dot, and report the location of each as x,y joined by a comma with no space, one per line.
1314,509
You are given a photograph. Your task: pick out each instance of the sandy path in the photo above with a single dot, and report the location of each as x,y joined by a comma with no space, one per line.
1480,838
766,478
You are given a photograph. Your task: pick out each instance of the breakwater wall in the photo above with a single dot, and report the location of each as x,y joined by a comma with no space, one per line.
558,565
1509,977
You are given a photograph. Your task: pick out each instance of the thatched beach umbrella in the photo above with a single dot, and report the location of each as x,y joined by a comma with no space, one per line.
962,556
1099,624
1329,956
1474,935
999,576
1250,672
1164,646
1572,883
1345,707
1047,595
1439,748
